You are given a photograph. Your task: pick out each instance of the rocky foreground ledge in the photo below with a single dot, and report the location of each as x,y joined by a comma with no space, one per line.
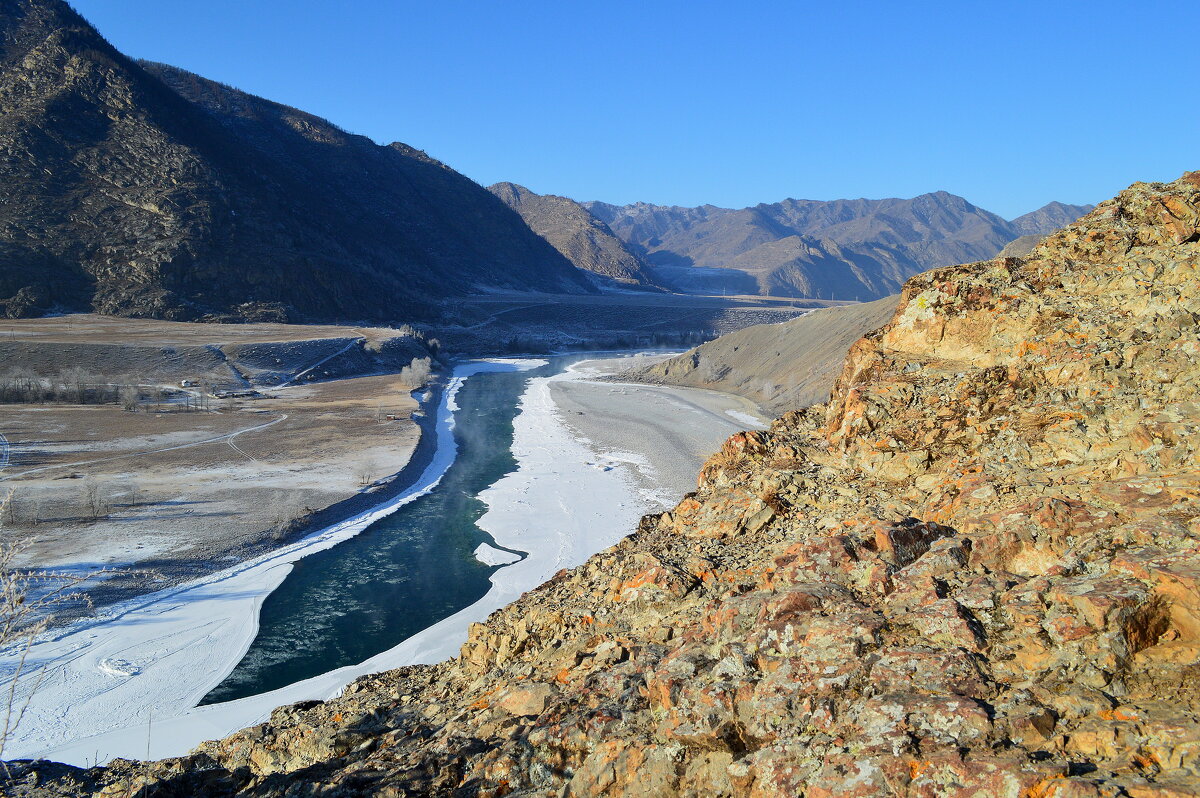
975,571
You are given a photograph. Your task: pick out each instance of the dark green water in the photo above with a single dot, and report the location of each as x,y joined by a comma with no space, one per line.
403,573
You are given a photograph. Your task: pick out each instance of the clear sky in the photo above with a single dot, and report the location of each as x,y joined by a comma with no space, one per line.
1009,104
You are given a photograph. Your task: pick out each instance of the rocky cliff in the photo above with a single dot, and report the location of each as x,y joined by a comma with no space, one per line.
142,190
975,571
577,234
841,249
779,366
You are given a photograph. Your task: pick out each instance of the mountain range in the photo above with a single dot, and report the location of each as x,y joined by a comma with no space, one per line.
138,189
839,249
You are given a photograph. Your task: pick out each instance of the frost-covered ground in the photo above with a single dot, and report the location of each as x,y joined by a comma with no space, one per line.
147,662
127,684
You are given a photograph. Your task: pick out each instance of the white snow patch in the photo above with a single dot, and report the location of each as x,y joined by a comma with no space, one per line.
753,421
170,648
117,667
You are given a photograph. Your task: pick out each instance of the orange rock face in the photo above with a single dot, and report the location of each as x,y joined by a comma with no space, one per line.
975,571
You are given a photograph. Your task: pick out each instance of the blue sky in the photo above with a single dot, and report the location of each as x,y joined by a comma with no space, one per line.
1010,105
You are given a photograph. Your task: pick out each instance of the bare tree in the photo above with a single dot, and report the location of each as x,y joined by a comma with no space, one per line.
95,499
366,472
132,493
74,380
8,508
27,601
281,526
417,372
129,397
290,516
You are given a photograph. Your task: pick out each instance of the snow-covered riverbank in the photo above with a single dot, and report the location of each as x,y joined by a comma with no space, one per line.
135,673
127,687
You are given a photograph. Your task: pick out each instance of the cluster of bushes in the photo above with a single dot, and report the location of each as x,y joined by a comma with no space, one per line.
78,387
71,386
417,372
432,345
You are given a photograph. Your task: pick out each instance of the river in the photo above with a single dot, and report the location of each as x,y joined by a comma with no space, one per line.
403,573
548,463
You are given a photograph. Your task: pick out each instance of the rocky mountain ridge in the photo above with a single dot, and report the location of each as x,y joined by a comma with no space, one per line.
577,234
974,571
841,249
142,190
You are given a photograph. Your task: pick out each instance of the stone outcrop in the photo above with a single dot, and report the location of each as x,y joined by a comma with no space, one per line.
975,571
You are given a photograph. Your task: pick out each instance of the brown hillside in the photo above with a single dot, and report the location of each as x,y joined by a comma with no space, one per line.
782,366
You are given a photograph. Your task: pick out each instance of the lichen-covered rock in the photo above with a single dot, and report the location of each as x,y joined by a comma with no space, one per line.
976,571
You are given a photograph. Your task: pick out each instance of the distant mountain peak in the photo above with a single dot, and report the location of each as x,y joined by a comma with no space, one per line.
582,237
1048,218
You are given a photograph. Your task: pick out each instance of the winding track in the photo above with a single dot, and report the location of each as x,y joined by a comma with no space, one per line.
228,437
343,350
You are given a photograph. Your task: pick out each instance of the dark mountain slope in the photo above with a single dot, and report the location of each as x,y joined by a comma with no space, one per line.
577,234
125,194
